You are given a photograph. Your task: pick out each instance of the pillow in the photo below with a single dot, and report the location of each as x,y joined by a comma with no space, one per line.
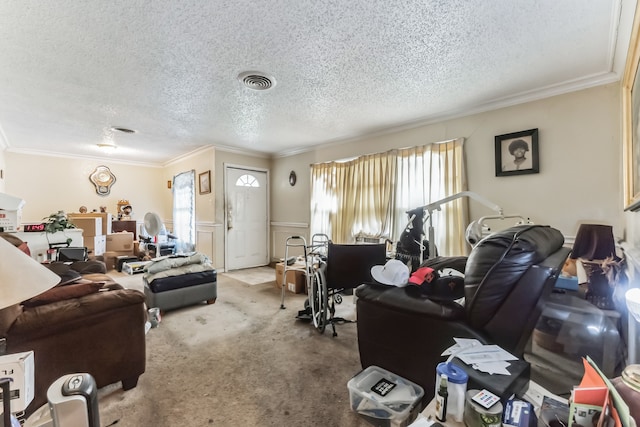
61,293
17,242
67,275
11,238
447,287
24,247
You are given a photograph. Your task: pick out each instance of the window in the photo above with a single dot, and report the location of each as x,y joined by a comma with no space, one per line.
184,211
371,194
247,181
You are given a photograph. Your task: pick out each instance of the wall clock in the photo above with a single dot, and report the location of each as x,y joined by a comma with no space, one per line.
103,179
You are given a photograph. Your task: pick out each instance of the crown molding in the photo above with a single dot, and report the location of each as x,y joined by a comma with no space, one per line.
196,152
594,80
224,148
289,224
79,156
243,151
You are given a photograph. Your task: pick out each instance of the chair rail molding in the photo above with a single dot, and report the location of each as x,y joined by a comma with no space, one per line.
290,224
280,231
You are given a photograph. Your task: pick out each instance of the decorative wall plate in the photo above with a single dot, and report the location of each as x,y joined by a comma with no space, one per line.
103,179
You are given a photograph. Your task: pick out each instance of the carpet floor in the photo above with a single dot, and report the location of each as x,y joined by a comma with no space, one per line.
242,361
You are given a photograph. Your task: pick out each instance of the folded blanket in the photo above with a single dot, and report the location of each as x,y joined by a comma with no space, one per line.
166,263
178,271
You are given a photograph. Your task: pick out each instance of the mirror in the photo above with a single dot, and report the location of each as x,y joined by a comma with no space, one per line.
103,179
292,178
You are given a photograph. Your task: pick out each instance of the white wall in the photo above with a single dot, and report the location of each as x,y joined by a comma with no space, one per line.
233,158
200,162
580,161
580,171
49,184
3,168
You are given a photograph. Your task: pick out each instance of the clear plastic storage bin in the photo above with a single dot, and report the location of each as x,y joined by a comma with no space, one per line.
384,398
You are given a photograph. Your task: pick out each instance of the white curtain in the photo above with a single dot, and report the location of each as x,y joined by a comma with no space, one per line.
184,211
371,194
427,174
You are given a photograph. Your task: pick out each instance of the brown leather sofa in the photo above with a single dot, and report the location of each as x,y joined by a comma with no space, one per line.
507,277
101,332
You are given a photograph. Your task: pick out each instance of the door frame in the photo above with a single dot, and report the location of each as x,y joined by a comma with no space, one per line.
226,167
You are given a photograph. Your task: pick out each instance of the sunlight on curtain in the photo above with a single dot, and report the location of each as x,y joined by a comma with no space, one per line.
184,211
324,201
427,174
371,194
352,198
372,208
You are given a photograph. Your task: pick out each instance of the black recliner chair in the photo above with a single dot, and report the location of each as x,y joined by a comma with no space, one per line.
507,277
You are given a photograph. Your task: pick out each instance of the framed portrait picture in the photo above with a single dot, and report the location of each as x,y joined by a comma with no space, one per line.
631,121
205,182
517,153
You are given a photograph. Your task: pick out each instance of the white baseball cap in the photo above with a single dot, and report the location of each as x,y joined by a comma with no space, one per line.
394,273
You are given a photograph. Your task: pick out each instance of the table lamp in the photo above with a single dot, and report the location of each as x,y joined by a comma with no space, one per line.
595,249
21,277
594,242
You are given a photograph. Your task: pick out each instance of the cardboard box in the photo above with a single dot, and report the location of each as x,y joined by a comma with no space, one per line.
10,212
106,219
518,413
120,242
110,258
20,368
90,226
97,245
296,278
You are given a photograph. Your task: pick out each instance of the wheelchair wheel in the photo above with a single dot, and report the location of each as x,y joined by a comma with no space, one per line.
319,301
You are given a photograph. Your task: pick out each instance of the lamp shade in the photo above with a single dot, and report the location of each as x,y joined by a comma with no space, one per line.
21,277
594,241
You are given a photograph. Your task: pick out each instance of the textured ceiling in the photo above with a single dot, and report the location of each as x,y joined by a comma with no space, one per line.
69,71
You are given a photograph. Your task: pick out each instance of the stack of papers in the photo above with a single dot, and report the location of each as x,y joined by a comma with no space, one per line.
491,359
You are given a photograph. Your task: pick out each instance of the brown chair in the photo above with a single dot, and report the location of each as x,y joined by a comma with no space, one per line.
507,277
101,333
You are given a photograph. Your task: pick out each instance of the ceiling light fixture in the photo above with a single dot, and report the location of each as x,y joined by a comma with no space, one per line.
107,147
256,80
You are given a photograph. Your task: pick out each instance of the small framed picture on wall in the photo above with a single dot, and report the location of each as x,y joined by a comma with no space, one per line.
517,153
205,182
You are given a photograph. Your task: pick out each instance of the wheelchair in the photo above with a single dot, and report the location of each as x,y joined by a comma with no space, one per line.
345,267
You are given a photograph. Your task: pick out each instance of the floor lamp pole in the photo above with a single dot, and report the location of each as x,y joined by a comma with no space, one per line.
432,243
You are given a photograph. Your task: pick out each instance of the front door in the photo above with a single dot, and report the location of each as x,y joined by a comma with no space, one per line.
246,217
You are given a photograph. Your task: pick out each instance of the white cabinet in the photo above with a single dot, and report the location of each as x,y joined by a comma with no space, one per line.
39,241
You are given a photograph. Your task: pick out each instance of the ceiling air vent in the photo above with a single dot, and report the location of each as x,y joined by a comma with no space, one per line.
123,130
256,80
